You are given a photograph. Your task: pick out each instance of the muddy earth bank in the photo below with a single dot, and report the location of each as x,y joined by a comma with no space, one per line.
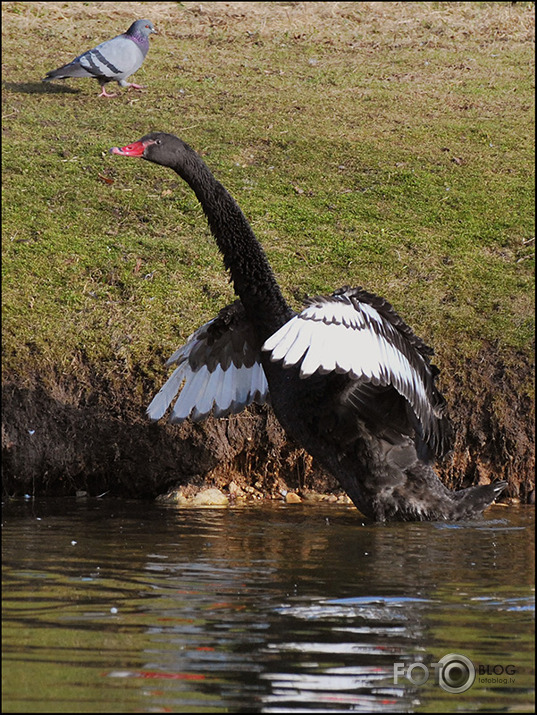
63,435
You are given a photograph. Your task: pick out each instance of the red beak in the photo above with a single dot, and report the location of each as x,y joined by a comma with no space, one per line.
135,149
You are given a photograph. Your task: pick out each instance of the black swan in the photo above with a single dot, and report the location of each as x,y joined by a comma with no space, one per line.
347,378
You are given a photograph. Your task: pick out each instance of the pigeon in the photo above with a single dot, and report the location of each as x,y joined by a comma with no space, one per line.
115,59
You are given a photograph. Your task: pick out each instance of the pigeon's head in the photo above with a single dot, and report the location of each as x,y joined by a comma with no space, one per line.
141,29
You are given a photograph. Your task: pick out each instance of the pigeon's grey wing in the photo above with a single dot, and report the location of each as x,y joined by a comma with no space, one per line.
114,59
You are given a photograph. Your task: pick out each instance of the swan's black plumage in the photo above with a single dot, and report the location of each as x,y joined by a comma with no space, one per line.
347,378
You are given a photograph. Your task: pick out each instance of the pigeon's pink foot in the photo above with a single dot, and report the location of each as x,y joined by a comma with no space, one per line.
104,93
135,86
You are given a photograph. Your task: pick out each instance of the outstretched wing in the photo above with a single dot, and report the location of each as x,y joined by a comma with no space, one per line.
358,334
218,368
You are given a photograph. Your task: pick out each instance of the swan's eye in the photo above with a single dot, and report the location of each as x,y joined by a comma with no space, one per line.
158,141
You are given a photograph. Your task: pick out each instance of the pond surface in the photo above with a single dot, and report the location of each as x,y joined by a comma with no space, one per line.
113,606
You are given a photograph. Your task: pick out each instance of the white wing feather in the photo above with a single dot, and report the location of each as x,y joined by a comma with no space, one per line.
353,338
162,400
201,389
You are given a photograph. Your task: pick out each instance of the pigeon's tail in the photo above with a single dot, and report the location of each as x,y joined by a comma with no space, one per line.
73,69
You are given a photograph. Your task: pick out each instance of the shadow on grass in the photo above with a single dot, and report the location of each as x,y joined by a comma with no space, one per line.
38,88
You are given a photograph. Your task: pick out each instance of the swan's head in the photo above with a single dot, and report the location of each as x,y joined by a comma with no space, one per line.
158,147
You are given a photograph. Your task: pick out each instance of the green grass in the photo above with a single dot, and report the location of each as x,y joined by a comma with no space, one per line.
389,146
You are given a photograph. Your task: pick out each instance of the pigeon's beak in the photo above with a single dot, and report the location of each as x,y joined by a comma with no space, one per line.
135,149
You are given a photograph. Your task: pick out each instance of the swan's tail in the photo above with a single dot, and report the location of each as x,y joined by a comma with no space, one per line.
473,501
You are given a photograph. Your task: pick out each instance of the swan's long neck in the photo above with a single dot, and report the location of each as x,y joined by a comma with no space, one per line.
243,255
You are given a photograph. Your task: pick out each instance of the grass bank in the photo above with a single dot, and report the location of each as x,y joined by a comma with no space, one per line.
388,145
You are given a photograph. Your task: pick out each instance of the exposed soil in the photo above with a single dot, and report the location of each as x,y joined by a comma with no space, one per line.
62,435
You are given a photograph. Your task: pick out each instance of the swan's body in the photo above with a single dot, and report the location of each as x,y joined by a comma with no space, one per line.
347,378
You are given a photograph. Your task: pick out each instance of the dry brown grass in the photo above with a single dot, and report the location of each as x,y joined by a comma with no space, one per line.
370,23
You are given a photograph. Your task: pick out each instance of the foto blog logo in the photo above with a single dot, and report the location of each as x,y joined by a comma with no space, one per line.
454,673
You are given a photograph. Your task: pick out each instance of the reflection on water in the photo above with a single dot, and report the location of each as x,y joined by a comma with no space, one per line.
123,607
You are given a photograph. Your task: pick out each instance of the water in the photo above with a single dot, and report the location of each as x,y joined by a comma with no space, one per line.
132,607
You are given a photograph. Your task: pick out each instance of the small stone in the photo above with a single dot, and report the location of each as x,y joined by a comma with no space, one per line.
292,498
210,497
235,491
